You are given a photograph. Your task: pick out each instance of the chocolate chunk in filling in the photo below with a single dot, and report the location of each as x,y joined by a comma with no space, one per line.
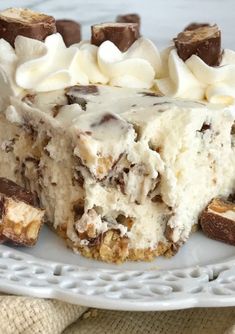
70,31
25,22
231,198
75,94
123,35
205,127
81,101
105,119
205,42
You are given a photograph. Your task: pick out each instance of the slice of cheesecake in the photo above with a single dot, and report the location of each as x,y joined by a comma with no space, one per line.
123,173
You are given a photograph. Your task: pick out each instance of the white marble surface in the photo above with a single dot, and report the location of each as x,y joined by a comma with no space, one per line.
162,19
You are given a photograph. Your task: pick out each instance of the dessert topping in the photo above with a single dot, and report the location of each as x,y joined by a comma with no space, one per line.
25,22
128,18
69,30
203,41
195,25
123,35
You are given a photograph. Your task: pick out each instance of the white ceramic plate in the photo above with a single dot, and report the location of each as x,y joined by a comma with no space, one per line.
201,274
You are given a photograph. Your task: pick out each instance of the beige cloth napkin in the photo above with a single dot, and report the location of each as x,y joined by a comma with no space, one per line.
28,315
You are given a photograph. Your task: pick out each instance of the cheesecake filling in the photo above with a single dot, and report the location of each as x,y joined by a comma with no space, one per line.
105,159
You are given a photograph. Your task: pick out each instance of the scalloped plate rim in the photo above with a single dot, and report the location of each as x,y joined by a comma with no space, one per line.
183,300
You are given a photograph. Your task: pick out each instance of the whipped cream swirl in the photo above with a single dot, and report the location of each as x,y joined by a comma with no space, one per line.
135,68
51,65
45,66
8,61
194,79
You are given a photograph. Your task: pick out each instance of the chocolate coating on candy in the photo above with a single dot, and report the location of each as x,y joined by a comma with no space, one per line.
215,224
205,42
70,31
123,35
13,190
195,25
129,18
25,22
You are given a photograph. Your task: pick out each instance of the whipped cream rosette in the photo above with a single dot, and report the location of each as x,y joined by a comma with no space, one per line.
8,61
135,68
219,82
51,65
179,80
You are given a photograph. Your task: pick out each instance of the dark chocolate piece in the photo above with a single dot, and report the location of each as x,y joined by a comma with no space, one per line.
195,25
29,98
231,198
217,221
152,94
105,119
25,22
157,199
232,132
205,42
123,35
11,189
78,209
205,127
70,31
79,100
129,18
56,109
75,94
169,233
77,90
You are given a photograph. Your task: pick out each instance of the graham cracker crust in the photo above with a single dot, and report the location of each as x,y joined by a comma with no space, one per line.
112,248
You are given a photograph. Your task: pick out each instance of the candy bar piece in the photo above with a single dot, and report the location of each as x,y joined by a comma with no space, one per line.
70,31
129,18
123,35
218,221
205,42
25,22
195,25
20,219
